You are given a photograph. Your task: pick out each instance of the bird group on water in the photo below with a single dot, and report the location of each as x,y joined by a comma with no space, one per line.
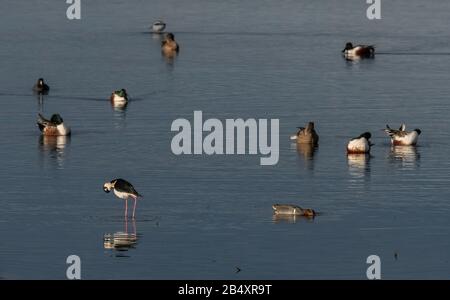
123,189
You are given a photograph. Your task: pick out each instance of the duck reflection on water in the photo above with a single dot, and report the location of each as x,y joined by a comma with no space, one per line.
407,157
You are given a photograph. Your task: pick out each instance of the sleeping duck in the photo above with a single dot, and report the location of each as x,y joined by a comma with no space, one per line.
289,209
401,137
41,87
360,144
158,26
360,51
306,135
53,127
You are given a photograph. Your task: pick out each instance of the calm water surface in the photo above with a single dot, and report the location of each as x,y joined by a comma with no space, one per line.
203,216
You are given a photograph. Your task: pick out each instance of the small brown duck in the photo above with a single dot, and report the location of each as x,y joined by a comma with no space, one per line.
289,209
306,135
169,45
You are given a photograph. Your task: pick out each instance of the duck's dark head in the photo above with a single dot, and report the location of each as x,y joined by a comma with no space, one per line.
40,81
418,131
170,36
348,46
56,119
309,213
366,135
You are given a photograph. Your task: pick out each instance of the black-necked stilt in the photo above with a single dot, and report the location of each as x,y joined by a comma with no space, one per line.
401,137
123,190
41,86
53,127
360,144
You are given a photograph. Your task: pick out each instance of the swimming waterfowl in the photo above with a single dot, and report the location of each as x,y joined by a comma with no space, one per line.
53,127
158,26
306,135
289,209
119,96
360,144
401,137
123,190
169,45
366,51
41,86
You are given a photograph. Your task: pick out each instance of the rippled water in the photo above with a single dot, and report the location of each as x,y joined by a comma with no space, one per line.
203,216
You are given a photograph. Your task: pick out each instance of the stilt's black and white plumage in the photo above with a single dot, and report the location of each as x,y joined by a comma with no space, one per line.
123,190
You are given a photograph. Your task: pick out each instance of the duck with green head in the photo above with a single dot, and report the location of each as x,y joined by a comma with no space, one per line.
119,96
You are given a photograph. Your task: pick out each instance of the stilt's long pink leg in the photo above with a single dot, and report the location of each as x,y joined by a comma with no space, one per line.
126,208
134,208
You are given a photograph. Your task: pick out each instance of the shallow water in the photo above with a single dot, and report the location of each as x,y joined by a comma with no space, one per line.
203,216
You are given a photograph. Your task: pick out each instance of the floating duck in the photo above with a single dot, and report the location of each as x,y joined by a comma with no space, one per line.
123,190
41,87
158,26
169,45
363,51
289,209
53,127
401,137
119,96
360,144
306,135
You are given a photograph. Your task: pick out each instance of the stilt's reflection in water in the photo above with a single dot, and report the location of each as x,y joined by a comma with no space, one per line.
121,240
56,146
408,157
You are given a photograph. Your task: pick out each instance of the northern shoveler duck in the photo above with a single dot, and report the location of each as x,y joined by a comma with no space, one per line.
306,135
169,45
401,137
119,96
365,51
123,190
41,86
158,26
53,127
360,144
289,209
